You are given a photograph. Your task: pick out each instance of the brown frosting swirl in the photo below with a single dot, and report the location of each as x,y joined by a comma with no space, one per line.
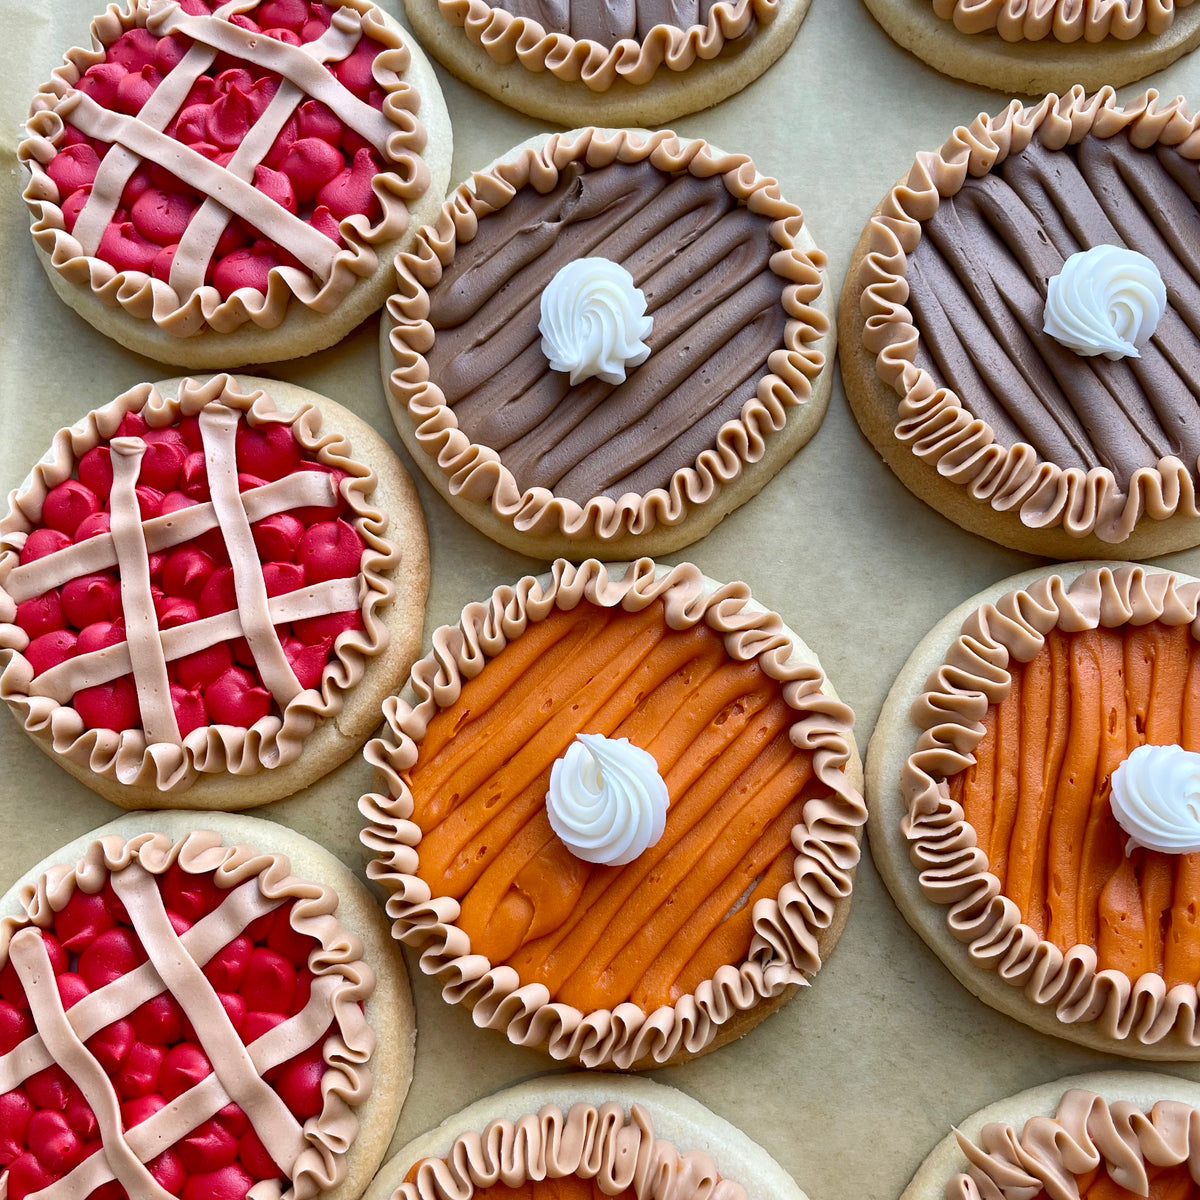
1061,20
172,765
186,304
1087,1132
1061,440
954,871
343,982
499,433
784,949
600,44
619,1151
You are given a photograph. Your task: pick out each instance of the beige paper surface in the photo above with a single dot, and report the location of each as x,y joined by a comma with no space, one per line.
852,1082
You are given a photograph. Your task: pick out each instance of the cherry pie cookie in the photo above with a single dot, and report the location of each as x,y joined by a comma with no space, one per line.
205,597
216,184
181,1015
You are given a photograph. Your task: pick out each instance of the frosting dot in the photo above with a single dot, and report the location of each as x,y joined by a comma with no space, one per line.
1156,799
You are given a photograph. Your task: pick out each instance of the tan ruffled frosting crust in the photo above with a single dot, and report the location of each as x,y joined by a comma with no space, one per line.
934,422
477,473
270,742
942,844
147,298
508,38
784,951
618,1150
1061,20
1085,1133
347,1079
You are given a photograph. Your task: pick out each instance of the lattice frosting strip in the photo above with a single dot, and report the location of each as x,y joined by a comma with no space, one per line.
784,949
477,471
342,983
274,740
954,872
186,304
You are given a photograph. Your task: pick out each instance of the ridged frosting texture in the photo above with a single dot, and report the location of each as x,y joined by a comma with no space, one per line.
593,321
1105,300
1055,967
1061,20
179,299
786,926
1071,457
564,468
524,31
41,701
1156,798
343,983
1088,1133
607,801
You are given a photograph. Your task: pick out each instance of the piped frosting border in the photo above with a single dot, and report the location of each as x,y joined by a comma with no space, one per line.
507,38
784,952
616,1148
203,309
476,472
348,1080
1061,20
934,422
1087,1131
953,870
270,742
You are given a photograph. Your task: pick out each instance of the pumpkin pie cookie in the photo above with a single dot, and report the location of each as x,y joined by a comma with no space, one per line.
625,62
211,1014
1023,48
218,184
584,1136
207,587
1032,780
1021,327
607,342
618,814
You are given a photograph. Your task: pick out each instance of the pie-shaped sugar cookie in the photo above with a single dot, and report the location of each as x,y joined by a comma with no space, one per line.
207,587
607,342
618,814
624,62
1032,780
218,184
584,1135
1023,48
1021,327
189,1013
1116,1134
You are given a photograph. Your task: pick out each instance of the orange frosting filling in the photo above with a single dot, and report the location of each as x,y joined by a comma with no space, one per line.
1166,1183
653,930
1037,796
571,1187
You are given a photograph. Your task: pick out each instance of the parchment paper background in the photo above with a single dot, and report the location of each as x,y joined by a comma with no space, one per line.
855,1080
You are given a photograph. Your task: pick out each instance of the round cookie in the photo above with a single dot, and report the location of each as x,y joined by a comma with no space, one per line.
719,918
741,349
1121,43
697,1151
323,175
948,370
1043,916
277,622
130,890
522,54
1119,1129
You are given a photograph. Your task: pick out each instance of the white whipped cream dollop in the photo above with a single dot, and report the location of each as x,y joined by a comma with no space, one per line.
1104,301
594,321
1156,799
607,801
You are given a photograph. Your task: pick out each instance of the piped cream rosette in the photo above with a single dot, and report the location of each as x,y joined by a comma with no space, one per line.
795,906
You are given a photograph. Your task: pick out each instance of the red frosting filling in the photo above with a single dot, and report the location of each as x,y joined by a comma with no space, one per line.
318,168
152,1056
219,685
